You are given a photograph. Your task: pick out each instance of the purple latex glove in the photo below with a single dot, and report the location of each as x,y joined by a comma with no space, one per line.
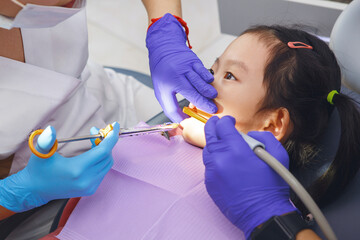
175,68
246,189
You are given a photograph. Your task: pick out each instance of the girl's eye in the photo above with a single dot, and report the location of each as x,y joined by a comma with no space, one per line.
211,71
229,76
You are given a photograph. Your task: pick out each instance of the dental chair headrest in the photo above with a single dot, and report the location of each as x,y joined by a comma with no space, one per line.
344,41
344,213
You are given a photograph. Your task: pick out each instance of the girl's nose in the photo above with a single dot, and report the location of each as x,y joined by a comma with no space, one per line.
215,83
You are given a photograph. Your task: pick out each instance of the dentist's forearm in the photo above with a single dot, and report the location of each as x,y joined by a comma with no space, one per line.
5,213
157,8
4,198
10,9
11,44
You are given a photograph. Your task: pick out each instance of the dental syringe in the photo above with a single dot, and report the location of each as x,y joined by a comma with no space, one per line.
124,132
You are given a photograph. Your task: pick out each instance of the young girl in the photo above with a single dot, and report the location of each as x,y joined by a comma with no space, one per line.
268,82
290,100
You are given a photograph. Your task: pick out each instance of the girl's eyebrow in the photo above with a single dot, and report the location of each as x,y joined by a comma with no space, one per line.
234,62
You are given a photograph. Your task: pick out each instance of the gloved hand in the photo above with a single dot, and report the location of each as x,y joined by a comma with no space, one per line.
57,177
246,190
176,69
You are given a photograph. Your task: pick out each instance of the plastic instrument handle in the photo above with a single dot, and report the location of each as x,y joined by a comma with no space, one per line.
33,149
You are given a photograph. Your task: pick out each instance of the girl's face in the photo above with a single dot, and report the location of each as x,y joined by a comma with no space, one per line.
238,74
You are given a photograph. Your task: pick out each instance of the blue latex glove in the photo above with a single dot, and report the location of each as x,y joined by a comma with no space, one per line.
176,69
57,177
246,189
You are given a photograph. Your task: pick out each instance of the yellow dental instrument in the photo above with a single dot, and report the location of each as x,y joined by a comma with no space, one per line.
197,114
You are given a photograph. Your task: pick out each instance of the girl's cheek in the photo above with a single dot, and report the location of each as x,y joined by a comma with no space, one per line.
193,132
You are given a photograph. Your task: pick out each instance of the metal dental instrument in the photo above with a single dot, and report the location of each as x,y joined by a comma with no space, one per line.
124,132
259,150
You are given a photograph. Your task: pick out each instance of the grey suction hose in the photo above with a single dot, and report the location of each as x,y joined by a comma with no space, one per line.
259,150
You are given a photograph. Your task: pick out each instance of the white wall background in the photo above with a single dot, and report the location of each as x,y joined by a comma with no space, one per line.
117,31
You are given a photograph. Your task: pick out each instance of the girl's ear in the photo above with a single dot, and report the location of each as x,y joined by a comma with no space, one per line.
278,122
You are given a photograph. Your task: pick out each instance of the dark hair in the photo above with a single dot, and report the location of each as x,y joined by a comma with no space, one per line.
300,80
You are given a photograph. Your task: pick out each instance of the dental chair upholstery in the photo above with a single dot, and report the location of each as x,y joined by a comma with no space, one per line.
344,214
344,41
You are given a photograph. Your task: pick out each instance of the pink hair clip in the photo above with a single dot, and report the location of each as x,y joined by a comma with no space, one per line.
299,45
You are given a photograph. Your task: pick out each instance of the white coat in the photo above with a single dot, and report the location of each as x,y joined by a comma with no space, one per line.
57,86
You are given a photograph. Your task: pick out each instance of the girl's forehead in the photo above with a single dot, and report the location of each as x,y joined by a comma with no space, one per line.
247,48
245,43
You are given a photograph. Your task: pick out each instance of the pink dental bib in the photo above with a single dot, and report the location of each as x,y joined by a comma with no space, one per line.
155,190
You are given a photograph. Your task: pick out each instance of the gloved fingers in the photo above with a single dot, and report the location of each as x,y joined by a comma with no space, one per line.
198,100
206,156
272,146
205,89
112,138
170,106
212,141
215,156
101,169
92,189
212,185
99,166
100,175
263,136
93,131
87,171
225,129
203,72
46,140
210,130
105,169
233,141
103,150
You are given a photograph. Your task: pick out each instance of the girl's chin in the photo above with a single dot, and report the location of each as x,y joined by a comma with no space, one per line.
193,132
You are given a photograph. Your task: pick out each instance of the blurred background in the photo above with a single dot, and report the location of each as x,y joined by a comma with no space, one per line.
117,28
117,31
